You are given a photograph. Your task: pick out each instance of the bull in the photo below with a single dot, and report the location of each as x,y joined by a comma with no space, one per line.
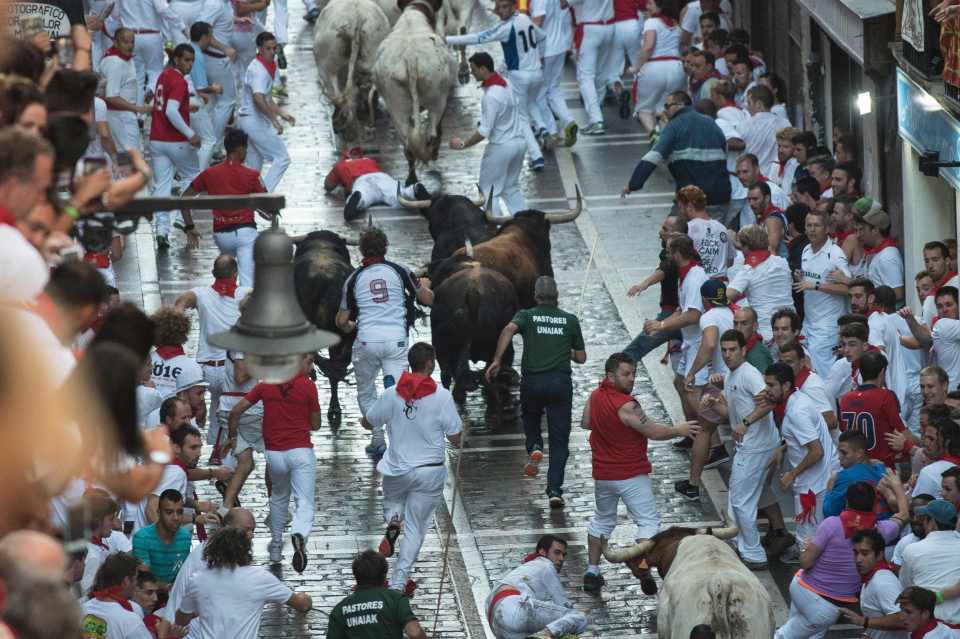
454,17
321,265
345,41
704,582
453,220
390,9
413,74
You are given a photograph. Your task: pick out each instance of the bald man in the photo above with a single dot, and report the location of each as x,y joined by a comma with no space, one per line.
35,554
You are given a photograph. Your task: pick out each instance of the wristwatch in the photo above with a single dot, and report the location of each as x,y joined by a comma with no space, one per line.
745,423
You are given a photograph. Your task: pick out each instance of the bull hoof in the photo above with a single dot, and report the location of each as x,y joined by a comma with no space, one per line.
463,76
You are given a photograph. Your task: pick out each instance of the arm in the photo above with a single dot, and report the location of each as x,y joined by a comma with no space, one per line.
116,102
654,278
226,49
425,295
506,337
81,47
331,182
315,421
679,320
809,556
814,454
736,144
649,43
585,417
775,232
152,510
106,140
455,439
649,162
116,248
233,423
499,33
578,356
242,9
921,332
708,343
300,601
344,323
413,630
185,301
173,114
631,415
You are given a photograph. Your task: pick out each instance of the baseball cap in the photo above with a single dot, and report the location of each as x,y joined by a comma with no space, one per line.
189,379
939,510
715,292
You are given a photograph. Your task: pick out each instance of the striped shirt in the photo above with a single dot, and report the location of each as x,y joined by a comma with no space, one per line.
163,559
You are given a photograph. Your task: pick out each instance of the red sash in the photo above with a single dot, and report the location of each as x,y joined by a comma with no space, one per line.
168,352
497,598
886,243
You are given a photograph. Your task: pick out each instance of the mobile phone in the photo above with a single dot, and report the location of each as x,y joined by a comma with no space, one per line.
124,164
92,165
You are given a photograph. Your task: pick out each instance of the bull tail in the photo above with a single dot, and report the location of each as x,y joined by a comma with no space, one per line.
418,138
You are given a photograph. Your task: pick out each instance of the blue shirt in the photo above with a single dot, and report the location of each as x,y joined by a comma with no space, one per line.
198,74
163,560
836,499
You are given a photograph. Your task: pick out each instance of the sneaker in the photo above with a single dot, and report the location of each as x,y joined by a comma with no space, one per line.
556,500
537,165
593,583
312,15
352,210
791,555
409,588
276,552
595,128
163,243
299,552
420,192
684,444
755,566
376,450
778,544
281,58
570,134
718,457
388,544
688,490
624,104
532,466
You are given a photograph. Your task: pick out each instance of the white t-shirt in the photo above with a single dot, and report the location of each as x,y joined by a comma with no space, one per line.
166,372
217,314
732,132
556,25
690,298
230,602
499,115
886,268
121,78
905,541
668,38
821,309
219,15
34,332
381,310
96,555
235,390
946,348
929,310
256,79
173,478
149,401
767,288
802,424
691,19
760,137
110,620
929,479
739,389
814,388
878,598
193,564
840,380
722,318
712,241
904,364
416,433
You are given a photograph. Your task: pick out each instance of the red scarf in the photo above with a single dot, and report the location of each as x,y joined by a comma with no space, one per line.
802,376
808,504
168,352
770,210
494,79
881,565
98,259
756,258
683,270
151,621
412,387
6,217
113,593
668,21
953,459
824,189
753,341
367,261
115,51
922,631
98,541
271,67
530,556
887,242
856,520
781,408
781,167
841,236
225,286
942,282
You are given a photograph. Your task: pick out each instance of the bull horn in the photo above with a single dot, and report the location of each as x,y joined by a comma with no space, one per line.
411,204
480,201
572,214
489,211
619,556
468,247
725,533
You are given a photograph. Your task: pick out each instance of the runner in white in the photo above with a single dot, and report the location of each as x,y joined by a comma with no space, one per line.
624,46
881,588
884,262
237,382
220,60
120,94
844,375
554,20
420,419
168,359
711,238
813,385
760,131
936,262
378,303
593,17
945,335
765,279
109,612
903,373
690,19
149,20
658,68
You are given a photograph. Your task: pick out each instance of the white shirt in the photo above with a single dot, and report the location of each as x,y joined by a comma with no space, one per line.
760,137
256,79
557,27
904,364
537,578
731,132
814,388
219,15
417,433
878,598
929,479
517,35
32,331
230,602
886,268
713,242
592,10
779,110
840,380
785,181
499,118
23,272
691,19
667,42
192,565
230,385
166,372
110,620
901,546
739,389
722,318
149,14
934,563
929,309
821,309
149,401
121,78
803,424
381,311
173,478
217,314
690,298
946,348
767,288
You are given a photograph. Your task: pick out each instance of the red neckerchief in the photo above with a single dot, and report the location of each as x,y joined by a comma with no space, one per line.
367,261
670,22
781,408
115,51
353,153
98,259
936,318
168,352
113,593
753,341
953,459
271,67
98,541
412,387
881,565
767,212
808,505
855,520
225,286
887,242
494,79
802,376
730,103
683,270
151,621
6,217
922,631
942,282
756,258
841,236
530,556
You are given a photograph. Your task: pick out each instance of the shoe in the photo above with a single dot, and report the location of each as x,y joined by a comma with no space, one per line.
312,15
595,128
545,140
718,457
163,244
688,490
376,450
537,165
215,459
624,104
570,134
532,466
791,556
388,544
280,91
276,552
755,566
778,544
409,588
281,58
299,552
352,210
556,500
420,192
684,444
593,583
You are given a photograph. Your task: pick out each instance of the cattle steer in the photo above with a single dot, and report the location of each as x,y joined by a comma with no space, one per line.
414,75
704,582
320,267
345,41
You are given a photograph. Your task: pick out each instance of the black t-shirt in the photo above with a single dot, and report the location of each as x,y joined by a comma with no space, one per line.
57,16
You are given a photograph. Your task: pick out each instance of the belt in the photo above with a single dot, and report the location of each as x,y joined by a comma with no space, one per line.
584,24
661,58
232,394
212,362
144,31
501,594
211,54
439,463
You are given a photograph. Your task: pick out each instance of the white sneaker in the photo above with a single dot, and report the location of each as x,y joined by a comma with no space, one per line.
276,551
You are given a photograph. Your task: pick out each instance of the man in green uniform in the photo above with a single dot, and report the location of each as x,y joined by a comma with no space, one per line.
551,338
745,321
374,611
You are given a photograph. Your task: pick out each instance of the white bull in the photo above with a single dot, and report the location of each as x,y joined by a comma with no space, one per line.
390,9
704,582
345,41
453,19
414,75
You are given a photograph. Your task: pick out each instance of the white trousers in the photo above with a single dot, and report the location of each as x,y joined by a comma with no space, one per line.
369,359
265,144
525,86
655,81
148,60
820,345
591,62
380,188
810,615
553,106
213,375
201,121
637,496
239,244
221,71
411,498
296,470
748,476
189,12
124,129
625,46
280,18
169,158
500,169
519,616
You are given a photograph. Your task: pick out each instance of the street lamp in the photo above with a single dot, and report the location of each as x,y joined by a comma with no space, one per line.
272,332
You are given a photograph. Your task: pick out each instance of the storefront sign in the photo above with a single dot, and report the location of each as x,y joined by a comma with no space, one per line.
926,126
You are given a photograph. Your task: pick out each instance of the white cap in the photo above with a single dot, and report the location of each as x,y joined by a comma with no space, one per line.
189,379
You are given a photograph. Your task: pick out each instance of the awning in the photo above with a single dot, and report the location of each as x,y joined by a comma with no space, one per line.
862,28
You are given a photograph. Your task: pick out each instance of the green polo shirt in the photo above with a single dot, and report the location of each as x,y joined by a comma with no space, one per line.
760,357
370,613
549,335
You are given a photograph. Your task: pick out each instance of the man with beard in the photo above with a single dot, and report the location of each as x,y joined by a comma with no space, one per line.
936,261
